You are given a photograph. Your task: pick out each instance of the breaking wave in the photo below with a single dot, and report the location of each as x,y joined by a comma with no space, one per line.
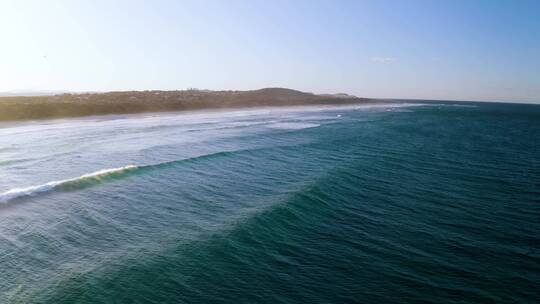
82,180
96,177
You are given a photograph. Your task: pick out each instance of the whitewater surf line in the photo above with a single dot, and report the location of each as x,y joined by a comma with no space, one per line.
68,183
96,177
100,176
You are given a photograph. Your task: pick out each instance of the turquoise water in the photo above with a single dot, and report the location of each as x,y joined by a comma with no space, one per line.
405,203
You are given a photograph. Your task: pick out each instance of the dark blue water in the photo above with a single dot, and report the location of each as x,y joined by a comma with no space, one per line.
384,204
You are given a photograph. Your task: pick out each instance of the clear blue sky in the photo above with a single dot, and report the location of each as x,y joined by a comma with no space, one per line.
471,50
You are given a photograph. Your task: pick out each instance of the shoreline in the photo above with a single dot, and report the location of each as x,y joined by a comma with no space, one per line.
135,102
210,111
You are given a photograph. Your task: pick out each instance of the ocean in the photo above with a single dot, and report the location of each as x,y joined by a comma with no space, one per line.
411,202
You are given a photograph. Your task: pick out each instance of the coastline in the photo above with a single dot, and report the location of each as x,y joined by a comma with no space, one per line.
134,102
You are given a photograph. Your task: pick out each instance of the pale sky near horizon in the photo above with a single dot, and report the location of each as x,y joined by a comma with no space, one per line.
465,50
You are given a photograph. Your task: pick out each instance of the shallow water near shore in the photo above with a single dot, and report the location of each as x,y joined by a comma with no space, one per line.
404,203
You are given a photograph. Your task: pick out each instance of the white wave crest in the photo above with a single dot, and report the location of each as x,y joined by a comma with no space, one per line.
293,125
33,190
